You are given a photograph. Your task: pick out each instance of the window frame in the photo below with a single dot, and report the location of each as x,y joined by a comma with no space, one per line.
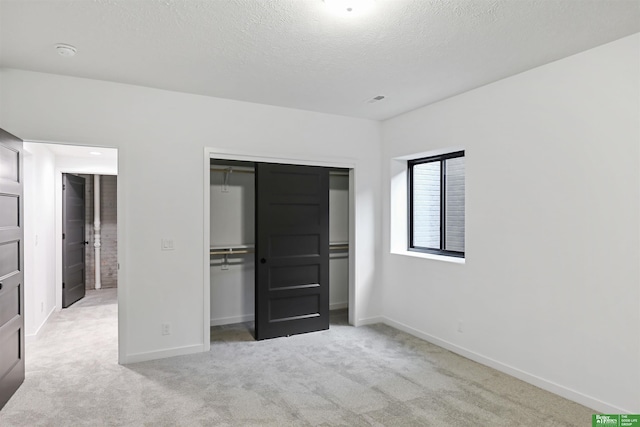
410,221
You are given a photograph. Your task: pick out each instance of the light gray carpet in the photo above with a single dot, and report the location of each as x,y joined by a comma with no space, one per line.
367,376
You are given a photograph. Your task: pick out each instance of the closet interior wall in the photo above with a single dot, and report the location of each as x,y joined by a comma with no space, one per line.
232,198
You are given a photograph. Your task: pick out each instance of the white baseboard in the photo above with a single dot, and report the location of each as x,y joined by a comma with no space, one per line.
35,336
338,306
568,393
231,320
370,321
163,354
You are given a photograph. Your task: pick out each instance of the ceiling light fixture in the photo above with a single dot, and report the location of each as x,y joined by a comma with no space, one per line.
349,7
66,50
95,153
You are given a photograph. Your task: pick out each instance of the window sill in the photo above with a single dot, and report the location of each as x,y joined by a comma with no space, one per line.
445,258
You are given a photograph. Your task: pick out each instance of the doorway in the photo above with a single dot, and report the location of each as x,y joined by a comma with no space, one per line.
230,199
45,165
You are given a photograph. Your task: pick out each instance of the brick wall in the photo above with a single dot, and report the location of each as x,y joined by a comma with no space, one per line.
108,217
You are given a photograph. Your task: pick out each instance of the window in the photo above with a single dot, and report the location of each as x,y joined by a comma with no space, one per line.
436,204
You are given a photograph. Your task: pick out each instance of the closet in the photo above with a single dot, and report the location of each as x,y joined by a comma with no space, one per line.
233,240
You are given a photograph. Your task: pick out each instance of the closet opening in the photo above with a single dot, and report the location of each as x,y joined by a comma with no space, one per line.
232,200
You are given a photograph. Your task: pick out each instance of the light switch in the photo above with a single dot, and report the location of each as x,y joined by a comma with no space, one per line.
167,244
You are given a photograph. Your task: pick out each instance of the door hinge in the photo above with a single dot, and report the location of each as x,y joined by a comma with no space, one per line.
63,285
63,236
64,186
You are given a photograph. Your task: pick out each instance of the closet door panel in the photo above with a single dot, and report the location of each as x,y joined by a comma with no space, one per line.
292,250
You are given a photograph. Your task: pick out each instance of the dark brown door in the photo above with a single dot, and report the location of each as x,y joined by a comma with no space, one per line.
11,267
73,239
292,250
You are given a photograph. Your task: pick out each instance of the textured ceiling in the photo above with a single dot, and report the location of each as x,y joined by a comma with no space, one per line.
295,53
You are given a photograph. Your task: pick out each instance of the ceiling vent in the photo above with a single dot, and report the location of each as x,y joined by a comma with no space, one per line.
349,7
375,99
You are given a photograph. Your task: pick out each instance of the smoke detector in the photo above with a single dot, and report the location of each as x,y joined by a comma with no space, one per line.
66,50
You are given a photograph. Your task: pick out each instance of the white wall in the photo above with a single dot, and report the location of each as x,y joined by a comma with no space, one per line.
39,237
161,137
550,288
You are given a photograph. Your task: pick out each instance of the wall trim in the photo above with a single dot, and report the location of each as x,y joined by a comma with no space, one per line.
163,354
232,319
338,305
372,321
36,336
550,386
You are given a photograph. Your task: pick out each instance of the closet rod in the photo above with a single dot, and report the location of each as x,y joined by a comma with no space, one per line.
242,251
231,251
334,173
230,169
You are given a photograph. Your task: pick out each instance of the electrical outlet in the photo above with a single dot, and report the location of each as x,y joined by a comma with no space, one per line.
166,329
460,328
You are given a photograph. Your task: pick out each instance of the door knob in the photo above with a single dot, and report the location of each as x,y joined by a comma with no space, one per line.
86,242
263,261
0,286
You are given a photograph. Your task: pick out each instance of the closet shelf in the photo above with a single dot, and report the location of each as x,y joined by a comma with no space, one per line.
231,170
235,170
250,249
